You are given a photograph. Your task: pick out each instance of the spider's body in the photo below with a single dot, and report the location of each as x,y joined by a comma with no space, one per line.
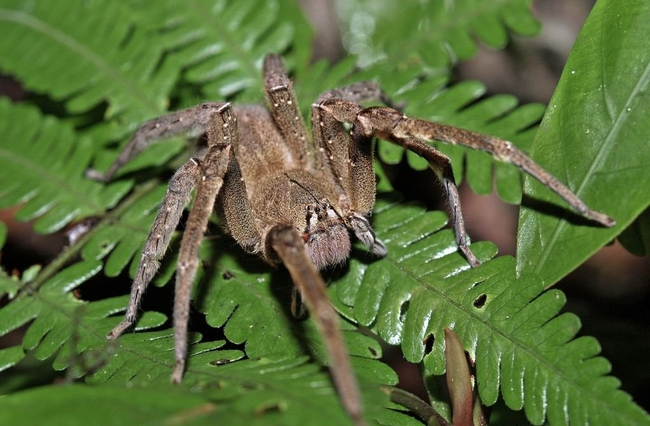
292,198
283,188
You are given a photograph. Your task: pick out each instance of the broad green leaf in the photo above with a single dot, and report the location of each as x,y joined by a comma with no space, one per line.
593,138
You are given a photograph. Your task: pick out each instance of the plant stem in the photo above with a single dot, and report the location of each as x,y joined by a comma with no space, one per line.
416,405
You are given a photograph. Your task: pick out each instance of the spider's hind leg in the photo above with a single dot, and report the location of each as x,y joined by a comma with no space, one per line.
212,171
219,161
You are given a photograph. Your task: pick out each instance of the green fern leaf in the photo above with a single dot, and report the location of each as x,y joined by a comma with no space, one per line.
54,312
42,170
148,357
602,119
120,236
223,43
113,60
250,301
509,326
117,64
446,32
268,391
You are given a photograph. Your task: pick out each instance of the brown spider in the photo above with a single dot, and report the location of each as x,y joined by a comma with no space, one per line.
294,199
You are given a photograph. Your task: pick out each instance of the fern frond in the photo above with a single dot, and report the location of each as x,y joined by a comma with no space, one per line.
447,31
119,238
43,162
250,302
54,313
268,391
114,61
222,43
147,357
219,44
510,327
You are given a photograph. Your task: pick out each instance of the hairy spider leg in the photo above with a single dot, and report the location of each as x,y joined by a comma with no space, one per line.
213,169
500,149
192,121
169,214
389,124
283,106
349,160
288,244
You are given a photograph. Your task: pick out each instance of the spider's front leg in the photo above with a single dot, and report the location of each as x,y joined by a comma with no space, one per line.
399,127
207,176
289,246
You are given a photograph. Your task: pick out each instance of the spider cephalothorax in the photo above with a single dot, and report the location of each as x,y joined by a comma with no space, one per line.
295,199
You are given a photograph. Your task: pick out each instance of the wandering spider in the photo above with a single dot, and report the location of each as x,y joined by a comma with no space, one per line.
295,199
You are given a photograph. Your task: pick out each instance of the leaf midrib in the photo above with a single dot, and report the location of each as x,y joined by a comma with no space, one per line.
578,389
602,154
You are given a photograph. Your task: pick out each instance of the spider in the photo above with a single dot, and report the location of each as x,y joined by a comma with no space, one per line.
294,199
